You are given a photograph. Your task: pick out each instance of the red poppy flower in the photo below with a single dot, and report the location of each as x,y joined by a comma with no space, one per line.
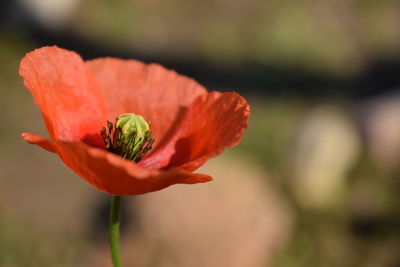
76,98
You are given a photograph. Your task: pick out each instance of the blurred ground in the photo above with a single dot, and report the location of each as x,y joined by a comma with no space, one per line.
315,181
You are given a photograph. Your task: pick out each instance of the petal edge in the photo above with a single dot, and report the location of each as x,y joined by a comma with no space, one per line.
112,174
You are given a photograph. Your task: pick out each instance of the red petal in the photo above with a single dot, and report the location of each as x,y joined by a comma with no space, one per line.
213,122
149,90
68,95
111,173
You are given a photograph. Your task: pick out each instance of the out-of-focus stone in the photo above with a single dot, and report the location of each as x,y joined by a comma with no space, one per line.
326,146
383,130
237,220
50,13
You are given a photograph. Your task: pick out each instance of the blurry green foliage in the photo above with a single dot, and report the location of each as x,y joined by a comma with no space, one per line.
269,136
12,49
25,245
326,36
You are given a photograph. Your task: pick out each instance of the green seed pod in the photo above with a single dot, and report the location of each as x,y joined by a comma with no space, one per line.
130,123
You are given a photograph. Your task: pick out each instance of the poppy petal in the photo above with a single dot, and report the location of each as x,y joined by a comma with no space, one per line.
111,173
213,122
150,90
67,94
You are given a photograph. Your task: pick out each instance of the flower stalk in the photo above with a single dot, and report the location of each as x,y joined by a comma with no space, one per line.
113,230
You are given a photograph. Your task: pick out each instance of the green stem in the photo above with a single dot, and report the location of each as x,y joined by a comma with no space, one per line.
113,230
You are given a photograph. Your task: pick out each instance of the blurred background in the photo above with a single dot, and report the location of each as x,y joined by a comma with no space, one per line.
315,181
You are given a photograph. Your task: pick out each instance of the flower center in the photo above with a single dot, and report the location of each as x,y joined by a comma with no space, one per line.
130,136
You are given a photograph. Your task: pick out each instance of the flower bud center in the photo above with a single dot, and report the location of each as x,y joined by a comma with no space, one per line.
130,136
